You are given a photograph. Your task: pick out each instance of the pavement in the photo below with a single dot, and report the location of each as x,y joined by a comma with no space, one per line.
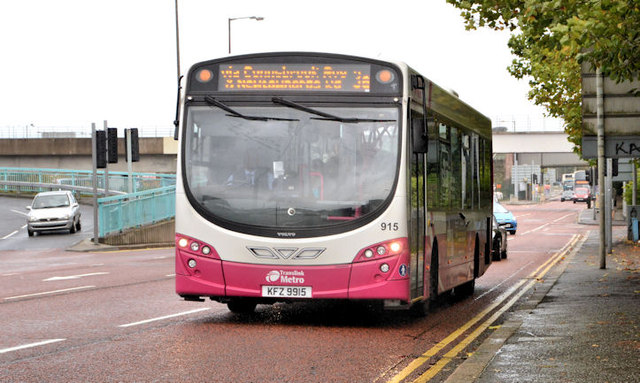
581,324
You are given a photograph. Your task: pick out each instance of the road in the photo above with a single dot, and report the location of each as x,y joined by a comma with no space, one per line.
115,317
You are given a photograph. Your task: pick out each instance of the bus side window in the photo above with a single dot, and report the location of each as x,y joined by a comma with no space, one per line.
456,169
433,165
445,166
419,133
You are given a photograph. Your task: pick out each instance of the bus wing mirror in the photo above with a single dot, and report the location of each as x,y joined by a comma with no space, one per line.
176,121
420,137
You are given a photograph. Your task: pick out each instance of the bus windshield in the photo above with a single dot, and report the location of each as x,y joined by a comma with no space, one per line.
280,167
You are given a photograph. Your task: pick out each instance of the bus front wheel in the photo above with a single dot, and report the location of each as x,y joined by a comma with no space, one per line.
241,306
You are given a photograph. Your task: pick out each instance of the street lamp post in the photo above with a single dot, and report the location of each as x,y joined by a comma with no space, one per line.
257,18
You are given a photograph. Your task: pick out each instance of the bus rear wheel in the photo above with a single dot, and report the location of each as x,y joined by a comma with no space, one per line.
241,306
465,289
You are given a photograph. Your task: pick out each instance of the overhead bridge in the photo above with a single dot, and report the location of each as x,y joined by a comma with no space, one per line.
545,149
157,154
526,159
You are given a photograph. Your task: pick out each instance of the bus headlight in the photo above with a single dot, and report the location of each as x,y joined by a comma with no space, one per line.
192,263
394,247
195,246
384,268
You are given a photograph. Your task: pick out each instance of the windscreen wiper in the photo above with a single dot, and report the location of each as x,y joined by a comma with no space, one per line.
325,116
232,113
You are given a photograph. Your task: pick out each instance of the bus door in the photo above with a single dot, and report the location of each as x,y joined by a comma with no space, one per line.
418,203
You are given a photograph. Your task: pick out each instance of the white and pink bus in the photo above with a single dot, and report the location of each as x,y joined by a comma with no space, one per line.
308,176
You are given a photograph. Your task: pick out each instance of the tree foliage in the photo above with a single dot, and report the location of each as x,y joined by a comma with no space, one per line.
551,38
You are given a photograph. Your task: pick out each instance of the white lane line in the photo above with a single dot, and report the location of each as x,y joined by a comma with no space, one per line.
74,276
164,317
20,212
16,348
10,234
49,292
547,224
563,217
536,229
506,279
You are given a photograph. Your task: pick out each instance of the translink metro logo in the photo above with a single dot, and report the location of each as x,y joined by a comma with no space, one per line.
285,276
273,276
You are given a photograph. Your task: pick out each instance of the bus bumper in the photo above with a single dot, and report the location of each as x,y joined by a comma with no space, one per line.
363,280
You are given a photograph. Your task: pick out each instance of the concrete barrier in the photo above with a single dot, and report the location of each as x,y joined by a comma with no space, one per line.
157,234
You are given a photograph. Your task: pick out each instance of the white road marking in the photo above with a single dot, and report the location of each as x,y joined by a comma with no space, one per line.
20,212
10,349
49,292
164,317
563,217
74,276
547,224
10,234
506,279
536,229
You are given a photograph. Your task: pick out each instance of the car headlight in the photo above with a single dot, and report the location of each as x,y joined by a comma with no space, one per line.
66,216
31,218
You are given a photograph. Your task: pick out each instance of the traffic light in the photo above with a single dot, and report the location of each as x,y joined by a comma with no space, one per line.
112,145
535,178
101,149
135,151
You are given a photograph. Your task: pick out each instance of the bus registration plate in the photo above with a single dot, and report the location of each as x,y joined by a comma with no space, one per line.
286,291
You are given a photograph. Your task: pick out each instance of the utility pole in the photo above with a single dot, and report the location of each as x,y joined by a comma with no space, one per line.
94,157
106,169
601,166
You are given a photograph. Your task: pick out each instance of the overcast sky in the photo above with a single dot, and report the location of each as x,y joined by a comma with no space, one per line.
73,62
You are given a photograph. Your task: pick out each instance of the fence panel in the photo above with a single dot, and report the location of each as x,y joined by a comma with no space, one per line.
118,213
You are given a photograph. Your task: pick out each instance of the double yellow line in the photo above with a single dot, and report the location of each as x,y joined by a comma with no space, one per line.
532,279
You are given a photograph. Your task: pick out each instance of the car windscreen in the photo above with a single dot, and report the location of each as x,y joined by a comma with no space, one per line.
497,208
50,201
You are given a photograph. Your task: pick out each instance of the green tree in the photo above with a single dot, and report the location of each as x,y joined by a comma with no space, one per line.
551,38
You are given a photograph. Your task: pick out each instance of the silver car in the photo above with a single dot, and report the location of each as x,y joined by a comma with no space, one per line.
567,195
499,246
56,210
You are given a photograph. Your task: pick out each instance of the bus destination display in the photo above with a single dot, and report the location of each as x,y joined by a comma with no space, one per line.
295,77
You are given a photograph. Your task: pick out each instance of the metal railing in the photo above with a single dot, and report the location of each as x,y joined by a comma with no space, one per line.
121,212
30,131
152,200
35,180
